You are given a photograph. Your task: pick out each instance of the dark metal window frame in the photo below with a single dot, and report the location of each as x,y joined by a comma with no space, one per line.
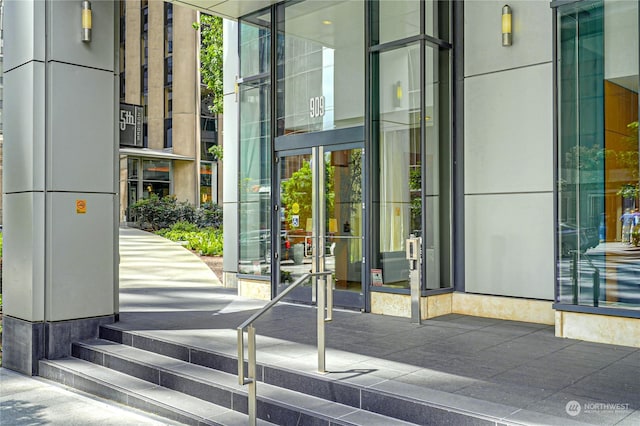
456,209
374,48
258,80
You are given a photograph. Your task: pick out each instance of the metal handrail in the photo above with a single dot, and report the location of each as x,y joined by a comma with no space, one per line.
325,303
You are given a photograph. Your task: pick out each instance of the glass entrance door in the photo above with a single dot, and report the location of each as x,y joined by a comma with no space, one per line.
321,221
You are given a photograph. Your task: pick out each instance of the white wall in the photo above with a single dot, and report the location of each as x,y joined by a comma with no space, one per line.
508,151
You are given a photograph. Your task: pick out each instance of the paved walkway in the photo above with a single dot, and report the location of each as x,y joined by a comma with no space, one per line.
34,401
491,366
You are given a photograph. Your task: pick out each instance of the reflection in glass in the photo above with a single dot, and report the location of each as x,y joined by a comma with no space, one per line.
296,198
343,218
156,170
340,197
206,182
399,19
598,219
413,155
400,153
320,66
254,190
255,45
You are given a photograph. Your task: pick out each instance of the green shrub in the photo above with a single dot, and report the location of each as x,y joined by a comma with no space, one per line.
157,213
209,215
206,241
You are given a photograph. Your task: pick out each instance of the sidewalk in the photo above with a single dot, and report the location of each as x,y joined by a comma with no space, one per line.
33,401
506,368
146,262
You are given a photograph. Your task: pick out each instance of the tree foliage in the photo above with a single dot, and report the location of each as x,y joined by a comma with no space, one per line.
211,58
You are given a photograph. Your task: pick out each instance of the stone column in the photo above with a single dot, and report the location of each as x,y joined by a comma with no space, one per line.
60,201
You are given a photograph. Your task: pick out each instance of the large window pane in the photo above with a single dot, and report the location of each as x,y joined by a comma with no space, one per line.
598,219
320,66
398,19
400,158
159,170
255,180
436,158
255,45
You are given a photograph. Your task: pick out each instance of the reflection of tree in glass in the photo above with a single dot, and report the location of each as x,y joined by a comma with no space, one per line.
297,189
591,158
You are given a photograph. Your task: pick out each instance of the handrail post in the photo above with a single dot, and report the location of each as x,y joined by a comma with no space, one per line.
253,391
322,292
329,298
325,306
241,376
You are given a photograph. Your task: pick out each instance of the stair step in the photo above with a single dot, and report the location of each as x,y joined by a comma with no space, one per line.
276,404
408,404
140,394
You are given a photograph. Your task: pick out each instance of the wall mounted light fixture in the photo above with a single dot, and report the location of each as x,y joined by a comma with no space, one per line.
86,21
506,25
397,94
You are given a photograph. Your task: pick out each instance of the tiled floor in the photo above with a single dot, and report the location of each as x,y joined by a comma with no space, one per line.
515,366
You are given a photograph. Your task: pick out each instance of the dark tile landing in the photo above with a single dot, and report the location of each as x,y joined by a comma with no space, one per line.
517,370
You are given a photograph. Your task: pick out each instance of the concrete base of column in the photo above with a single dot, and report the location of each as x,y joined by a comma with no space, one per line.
25,342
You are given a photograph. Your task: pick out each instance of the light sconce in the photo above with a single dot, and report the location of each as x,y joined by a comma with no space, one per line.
507,37
86,21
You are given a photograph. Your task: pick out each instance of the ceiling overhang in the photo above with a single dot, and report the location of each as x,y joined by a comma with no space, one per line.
230,9
154,153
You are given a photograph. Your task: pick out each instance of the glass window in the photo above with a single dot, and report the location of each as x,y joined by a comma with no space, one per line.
132,168
255,44
255,180
206,185
598,209
321,66
168,70
411,145
398,19
436,158
156,170
400,156
168,132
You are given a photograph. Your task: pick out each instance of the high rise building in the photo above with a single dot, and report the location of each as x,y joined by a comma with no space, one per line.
160,79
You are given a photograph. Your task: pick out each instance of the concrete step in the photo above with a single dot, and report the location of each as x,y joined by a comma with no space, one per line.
390,399
143,395
275,404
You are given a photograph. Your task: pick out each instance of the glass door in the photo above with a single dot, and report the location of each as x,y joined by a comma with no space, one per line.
321,221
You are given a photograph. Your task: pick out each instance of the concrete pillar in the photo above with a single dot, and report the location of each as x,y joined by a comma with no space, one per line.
185,116
60,201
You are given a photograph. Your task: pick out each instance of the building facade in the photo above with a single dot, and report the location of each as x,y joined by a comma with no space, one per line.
470,157
365,128
159,72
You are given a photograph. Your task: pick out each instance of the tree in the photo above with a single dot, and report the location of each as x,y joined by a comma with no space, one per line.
211,58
